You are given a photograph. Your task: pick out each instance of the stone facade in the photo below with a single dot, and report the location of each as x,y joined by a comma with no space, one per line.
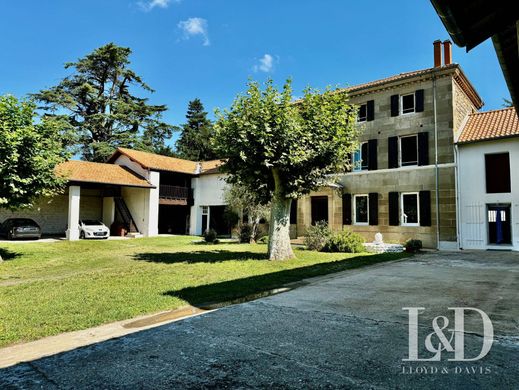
51,213
452,105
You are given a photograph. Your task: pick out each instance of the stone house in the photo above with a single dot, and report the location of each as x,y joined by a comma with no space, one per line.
403,179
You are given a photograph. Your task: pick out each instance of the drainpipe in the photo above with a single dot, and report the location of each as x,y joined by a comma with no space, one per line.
436,171
458,196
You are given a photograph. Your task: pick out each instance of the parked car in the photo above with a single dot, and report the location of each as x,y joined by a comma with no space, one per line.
14,228
90,228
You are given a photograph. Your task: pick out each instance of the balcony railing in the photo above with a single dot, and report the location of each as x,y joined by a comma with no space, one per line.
174,192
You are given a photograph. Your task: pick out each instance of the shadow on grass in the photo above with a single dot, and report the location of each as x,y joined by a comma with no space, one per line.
209,256
235,290
6,254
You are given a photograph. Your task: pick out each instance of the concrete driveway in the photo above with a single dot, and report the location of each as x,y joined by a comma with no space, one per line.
345,330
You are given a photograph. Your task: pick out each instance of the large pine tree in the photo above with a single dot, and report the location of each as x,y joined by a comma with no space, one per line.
195,140
98,100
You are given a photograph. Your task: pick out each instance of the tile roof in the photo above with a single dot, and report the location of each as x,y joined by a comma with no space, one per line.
489,125
394,81
164,163
208,167
91,172
158,162
397,77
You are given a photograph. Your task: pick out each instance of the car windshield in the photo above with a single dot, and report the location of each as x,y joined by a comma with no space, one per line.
91,222
23,222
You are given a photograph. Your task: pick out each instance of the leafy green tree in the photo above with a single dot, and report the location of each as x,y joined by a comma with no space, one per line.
97,101
280,150
245,203
29,154
195,140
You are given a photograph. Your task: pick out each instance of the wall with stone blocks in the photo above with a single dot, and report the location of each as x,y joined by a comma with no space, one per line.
51,213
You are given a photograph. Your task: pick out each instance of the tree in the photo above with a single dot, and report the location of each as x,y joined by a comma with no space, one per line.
280,150
507,103
97,101
195,140
245,203
29,153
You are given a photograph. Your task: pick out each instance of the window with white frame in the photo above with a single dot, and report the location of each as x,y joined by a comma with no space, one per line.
360,158
205,210
363,113
408,146
410,209
407,103
361,209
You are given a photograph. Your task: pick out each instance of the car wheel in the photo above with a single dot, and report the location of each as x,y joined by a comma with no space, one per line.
82,235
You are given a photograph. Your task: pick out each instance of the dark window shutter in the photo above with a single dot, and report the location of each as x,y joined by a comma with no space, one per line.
371,110
423,148
373,208
346,209
372,155
425,208
392,158
293,212
394,105
394,219
418,100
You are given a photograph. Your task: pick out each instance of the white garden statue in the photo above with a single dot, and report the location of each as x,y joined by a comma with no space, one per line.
378,239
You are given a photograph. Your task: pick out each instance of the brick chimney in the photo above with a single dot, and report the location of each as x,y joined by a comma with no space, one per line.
437,53
447,52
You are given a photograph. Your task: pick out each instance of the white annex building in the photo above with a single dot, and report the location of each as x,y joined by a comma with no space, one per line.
488,181
143,193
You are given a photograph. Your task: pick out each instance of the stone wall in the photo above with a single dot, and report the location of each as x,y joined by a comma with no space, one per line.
51,213
404,179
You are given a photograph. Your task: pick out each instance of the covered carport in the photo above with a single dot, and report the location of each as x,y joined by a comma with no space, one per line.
111,192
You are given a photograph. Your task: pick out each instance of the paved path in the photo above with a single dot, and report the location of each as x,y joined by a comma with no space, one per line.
346,330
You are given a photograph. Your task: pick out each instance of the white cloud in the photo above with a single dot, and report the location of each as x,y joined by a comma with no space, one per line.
148,5
266,64
195,26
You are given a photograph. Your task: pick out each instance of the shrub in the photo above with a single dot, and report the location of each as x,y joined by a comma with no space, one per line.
245,233
345,241
317,236
263,240
210,235
413,246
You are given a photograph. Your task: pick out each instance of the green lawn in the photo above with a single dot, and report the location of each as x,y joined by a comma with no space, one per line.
49,288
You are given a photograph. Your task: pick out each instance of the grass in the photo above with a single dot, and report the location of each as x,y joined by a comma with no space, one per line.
50,288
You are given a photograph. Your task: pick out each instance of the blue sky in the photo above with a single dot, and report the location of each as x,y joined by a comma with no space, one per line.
209,48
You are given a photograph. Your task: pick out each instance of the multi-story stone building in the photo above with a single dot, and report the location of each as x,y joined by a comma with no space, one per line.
402,183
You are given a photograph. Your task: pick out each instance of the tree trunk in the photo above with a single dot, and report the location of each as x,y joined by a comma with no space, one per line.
279,229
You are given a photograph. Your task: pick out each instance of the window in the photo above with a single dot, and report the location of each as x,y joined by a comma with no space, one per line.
363,113
408,103
205,210
361,209
410,209
497,172
361,158
408,150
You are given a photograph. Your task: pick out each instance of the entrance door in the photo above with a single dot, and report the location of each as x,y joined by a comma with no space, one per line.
499,224
319,209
